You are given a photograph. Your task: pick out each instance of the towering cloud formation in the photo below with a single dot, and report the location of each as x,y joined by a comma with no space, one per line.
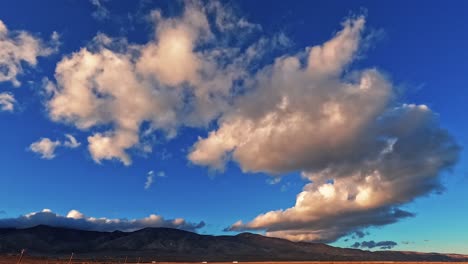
364,154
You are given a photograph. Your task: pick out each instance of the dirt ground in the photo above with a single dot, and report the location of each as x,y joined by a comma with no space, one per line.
30,260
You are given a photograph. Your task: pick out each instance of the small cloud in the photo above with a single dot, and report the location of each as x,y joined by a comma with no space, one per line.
356,245
2,212
72,142
46,147
7,102
285,187
372,244
165,155
75,214
149,180
359,234
101,12
274,180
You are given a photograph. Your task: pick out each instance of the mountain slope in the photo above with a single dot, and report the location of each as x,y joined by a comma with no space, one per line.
178,245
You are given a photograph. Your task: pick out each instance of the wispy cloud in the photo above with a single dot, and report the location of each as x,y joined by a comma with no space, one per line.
150,178
101,12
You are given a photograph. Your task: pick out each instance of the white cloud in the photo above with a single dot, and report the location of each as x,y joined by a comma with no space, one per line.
334,126
184,76
75,214
18,48
101,12
299,112
77,220
364,154
72,142
149,179
7,102
46,147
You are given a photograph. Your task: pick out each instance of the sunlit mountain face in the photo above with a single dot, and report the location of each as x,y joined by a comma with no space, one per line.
327,122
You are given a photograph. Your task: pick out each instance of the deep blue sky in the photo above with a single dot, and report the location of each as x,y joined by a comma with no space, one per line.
421,46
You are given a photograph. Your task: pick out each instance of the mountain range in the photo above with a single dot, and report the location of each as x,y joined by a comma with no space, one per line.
166,244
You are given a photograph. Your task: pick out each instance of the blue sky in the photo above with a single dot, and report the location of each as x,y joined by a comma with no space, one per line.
416,53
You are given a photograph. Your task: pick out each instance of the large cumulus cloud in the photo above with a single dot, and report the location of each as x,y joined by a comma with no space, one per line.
77,220
183,76
363,152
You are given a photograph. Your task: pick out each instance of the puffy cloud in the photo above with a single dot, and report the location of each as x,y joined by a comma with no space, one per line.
77,220
372,244
364,154
359,234
299,112
184,76
46,147
7,102
18,48
75,214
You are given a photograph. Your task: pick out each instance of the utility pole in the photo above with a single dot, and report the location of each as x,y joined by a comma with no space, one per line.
21,256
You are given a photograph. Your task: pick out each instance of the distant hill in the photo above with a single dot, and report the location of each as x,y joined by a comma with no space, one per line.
167,244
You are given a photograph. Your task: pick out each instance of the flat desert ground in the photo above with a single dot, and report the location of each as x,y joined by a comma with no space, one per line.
29,260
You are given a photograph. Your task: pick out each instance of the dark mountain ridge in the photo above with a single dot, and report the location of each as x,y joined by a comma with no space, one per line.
168,244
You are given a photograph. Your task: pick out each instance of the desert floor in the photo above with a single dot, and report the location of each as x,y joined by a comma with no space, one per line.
29,260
